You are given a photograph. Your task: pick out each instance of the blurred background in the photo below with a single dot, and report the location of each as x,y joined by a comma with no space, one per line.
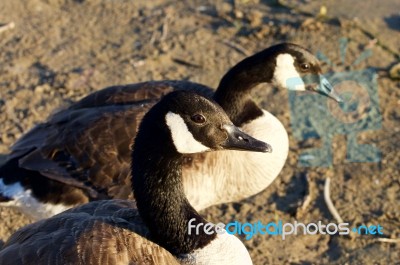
53,52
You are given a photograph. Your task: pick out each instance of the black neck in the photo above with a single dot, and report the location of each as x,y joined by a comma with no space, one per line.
158,188
233,92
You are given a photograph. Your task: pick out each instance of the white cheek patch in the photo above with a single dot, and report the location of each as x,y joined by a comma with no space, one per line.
183,140
286,75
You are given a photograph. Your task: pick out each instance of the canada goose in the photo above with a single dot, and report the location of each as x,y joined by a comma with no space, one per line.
119,232
81,153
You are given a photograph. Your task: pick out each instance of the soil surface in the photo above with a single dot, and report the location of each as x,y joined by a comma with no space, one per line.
54,52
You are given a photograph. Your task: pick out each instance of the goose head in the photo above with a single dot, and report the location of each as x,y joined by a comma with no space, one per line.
286,65
298,69
196,124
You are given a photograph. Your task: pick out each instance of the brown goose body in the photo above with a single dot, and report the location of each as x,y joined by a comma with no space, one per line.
81,153
113,226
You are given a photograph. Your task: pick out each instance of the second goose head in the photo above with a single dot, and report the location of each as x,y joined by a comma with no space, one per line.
297,69
286,65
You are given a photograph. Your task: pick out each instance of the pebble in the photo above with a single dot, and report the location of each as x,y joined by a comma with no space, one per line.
256,18
394,71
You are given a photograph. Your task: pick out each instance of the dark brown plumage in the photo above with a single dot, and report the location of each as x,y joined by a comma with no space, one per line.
81,153
103,232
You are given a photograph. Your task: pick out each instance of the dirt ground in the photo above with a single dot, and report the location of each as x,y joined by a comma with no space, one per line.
61,50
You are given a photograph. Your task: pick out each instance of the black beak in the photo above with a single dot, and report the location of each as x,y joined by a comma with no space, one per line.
326,89
238,140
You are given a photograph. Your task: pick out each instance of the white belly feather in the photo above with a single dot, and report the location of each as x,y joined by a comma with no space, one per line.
23,200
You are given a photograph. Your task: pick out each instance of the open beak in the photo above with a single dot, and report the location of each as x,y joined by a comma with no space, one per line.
238,140
326,89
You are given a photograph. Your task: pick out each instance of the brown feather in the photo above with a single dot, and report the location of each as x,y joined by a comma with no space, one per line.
102,232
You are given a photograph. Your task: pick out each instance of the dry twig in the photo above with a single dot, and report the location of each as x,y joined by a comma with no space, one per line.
308,197
186,63
7,26
389,240
328,201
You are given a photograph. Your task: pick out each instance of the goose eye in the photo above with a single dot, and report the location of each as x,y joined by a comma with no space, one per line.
304,66
198,118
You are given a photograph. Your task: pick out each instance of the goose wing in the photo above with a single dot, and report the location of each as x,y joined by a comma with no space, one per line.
86,148
102,232
133,93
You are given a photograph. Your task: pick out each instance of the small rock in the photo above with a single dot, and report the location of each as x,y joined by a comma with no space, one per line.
5,139
255,18
312,24
262,32
226,7
42,89
249,1
323,11
164,47
348,23
238,14
394,72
